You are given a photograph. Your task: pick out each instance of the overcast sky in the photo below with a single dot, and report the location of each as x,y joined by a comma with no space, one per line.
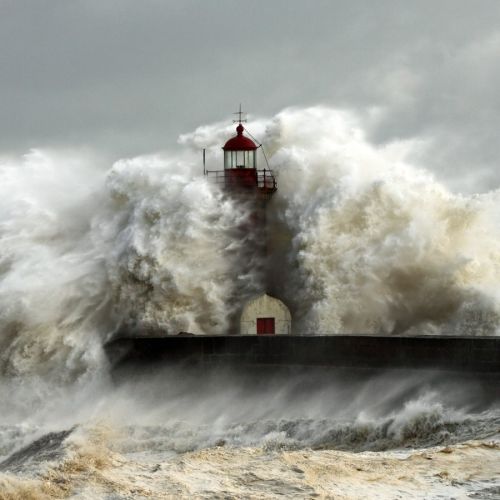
126,77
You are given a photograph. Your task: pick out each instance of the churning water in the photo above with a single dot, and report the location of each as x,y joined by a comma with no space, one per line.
361,241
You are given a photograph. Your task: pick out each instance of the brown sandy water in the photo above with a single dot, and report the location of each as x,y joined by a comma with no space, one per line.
176,435
91,469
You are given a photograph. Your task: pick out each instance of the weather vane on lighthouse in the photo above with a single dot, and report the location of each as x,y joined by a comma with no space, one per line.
240,114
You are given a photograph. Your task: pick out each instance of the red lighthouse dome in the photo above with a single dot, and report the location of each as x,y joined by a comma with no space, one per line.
239,142
240,151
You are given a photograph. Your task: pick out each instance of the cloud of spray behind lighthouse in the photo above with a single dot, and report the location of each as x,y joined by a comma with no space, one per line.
373,244
362,241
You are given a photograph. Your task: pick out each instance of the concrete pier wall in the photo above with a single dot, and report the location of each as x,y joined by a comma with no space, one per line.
473,354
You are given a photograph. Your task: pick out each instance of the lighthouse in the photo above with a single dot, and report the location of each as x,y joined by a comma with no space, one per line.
243,180
241,175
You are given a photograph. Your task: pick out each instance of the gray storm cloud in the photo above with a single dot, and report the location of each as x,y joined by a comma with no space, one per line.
125,78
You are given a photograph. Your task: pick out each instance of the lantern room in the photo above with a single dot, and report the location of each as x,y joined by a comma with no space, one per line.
240,151
240,174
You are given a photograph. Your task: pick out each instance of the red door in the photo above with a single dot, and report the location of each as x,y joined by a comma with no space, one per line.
265,326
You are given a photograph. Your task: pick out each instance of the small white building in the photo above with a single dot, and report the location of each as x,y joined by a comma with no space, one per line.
265,315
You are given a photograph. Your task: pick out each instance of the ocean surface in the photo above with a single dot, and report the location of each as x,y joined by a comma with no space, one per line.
361,240
179,433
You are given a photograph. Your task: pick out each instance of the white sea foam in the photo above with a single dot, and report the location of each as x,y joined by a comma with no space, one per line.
365,242
378,245
360,240
179,434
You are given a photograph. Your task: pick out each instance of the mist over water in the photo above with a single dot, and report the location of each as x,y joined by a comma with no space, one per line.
360,241
175,431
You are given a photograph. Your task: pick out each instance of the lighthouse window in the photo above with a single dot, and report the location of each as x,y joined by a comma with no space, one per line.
240,158
227,159
251,159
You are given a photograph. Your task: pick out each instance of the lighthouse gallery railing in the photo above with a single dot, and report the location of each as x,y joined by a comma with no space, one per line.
263,179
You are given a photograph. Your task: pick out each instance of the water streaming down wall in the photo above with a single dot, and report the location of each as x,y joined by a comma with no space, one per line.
360,242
